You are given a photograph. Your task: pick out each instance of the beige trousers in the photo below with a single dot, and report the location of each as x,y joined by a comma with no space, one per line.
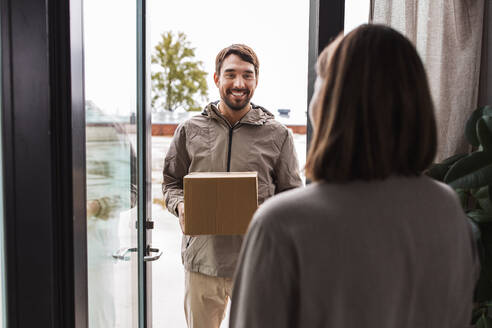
205,299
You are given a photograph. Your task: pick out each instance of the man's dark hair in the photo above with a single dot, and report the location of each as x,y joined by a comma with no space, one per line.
243,51
374,117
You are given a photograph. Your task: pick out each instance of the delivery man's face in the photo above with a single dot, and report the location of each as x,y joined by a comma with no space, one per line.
237,82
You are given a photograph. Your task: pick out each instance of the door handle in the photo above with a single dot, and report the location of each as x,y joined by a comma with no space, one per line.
149,258
121,254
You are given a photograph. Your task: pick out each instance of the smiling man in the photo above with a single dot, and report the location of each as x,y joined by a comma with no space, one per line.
230,135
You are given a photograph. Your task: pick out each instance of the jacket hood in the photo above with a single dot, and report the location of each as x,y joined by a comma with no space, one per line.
256,116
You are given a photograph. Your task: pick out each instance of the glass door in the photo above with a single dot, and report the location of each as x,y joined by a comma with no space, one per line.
281,43
118,127
118,227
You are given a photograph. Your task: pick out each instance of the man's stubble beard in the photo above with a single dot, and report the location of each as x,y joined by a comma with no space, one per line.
235,107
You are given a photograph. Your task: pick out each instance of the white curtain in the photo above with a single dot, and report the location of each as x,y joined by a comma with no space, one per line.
448,37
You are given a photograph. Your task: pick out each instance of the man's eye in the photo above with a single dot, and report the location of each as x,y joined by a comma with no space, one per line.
249,76
229,76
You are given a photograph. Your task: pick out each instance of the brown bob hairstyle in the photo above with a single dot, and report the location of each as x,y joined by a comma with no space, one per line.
243,51
373,116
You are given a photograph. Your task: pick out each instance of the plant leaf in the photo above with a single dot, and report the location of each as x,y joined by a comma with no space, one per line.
477,234
487,110
479,193
471,126
485,200
484,322
463,196
484,132
472,171
438,171
476,314
453,159
479,216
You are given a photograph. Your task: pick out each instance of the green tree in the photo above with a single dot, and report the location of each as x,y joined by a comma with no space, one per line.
178,78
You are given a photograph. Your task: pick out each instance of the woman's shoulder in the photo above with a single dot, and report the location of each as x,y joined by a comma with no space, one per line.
288,205
430,188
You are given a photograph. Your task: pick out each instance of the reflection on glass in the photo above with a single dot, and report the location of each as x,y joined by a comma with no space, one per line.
111,192
110,89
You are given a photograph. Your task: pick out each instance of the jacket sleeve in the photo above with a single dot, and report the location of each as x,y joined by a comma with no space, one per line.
287,166
176,166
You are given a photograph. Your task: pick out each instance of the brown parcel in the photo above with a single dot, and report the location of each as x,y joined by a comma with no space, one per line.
219,203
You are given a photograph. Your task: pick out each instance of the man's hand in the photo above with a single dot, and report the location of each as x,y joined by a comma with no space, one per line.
181,212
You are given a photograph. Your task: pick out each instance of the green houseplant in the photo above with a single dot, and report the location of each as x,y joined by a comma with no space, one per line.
471,176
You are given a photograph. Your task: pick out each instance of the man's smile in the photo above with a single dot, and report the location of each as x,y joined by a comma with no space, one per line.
239,93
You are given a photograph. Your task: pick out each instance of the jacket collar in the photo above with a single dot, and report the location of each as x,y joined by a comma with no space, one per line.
256,116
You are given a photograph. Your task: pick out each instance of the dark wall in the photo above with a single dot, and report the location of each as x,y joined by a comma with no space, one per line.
39,172
27,163
326,20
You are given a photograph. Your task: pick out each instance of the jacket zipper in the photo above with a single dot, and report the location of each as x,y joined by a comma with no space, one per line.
229,151
231,129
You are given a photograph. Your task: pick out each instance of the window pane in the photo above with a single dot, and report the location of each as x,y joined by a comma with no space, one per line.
356,13
278,32
110,90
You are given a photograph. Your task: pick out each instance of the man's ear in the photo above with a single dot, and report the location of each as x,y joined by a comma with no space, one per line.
216,79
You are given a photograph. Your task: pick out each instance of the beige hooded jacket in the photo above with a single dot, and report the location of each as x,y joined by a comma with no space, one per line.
208,143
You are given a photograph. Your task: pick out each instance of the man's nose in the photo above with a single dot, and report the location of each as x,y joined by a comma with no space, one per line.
239,82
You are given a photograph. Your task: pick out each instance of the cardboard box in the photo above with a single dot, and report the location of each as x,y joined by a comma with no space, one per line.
219,203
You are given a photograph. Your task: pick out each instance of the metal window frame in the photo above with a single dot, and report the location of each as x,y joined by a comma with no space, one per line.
326,21
144,203
485,85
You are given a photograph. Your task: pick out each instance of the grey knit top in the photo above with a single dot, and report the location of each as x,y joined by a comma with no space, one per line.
385,254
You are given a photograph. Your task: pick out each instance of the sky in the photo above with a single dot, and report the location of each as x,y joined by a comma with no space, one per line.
276,29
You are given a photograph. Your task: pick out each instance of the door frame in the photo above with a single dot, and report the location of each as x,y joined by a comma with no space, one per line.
43,135
144,167
326,21
43,131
